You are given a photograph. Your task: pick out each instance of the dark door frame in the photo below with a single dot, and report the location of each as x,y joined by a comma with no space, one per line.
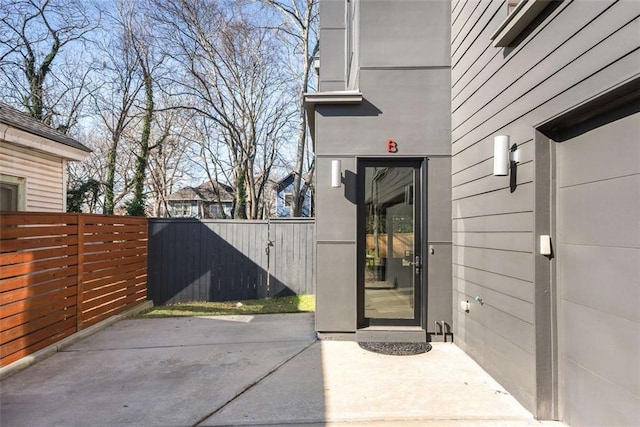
420,232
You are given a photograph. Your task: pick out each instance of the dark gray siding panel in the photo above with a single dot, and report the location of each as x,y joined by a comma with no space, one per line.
332,62
574,51
517,242
395,107
601,203
336,216
500,357
520,289
590,394
481,207
415,24
507,222
462,19
486,15
439,239
332,13
336,297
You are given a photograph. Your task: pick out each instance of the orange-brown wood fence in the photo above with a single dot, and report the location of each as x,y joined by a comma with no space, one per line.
60,273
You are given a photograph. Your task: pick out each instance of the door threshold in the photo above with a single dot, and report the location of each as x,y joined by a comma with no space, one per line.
380,333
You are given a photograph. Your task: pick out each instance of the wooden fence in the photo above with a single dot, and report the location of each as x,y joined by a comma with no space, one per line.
222,260
60,273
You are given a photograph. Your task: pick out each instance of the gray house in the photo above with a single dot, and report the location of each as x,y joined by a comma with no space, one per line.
478,173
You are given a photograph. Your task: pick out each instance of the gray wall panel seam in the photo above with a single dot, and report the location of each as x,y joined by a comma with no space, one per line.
488,192
492,272
491,289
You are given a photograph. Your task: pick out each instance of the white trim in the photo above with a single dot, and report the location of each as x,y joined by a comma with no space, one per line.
21,183
335,97
65,179
522,15
17,136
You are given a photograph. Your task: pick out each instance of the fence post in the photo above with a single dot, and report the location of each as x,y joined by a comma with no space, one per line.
80,285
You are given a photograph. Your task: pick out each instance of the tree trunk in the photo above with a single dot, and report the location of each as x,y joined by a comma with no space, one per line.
111,173
137,206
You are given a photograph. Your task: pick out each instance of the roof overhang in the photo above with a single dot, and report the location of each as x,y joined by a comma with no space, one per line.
29,140
327,98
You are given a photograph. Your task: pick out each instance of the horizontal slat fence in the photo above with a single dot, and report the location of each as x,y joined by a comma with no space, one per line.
114,266
223,260
60,273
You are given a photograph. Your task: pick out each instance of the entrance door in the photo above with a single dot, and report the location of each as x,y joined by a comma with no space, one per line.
390,259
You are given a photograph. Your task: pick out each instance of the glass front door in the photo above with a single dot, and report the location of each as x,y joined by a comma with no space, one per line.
390,257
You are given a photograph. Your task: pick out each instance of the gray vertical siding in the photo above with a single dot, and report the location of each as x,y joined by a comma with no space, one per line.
217,260
573,51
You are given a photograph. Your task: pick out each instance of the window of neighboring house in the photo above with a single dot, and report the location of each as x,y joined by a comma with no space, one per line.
181,209
12,193
288,202
214,210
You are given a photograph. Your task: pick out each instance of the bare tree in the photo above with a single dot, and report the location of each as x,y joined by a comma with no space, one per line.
141,40
232,77
298,28
168,165
114,102
33,34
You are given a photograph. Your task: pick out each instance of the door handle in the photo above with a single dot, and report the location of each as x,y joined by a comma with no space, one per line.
417,264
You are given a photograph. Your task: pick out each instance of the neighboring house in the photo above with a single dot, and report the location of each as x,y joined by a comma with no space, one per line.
208,200
284,198
33,163
420,104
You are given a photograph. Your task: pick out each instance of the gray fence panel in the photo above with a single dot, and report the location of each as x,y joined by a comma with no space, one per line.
224,260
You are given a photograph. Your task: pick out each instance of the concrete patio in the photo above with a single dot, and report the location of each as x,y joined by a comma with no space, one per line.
250,370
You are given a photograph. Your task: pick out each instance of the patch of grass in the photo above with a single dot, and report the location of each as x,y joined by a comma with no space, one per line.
292,304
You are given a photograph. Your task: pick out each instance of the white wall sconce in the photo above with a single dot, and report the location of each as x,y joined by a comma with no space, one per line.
503,155
545,245
336,173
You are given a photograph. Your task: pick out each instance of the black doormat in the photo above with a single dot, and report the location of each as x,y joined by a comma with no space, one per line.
396,348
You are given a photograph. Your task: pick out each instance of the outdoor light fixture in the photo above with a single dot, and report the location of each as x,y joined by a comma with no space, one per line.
336,173
503,155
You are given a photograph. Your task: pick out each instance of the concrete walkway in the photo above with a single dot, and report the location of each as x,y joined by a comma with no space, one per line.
249,370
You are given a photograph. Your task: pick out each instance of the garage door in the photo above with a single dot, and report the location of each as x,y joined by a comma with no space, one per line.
598,275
